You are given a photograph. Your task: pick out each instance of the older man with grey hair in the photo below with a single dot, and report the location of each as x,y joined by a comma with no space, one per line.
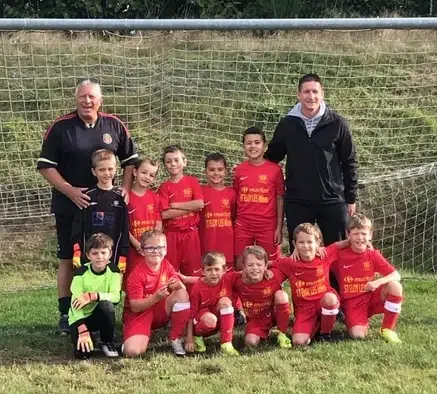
65,162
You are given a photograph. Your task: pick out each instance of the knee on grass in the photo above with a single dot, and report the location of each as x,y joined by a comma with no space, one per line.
251,340
134,347
358,332
300,340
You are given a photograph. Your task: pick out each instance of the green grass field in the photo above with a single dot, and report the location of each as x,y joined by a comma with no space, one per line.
34,359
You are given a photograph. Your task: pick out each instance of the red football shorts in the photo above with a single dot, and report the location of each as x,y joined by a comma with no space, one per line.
143,323
260,326
133,259
183,251
246,235
200,329
307,316
358,310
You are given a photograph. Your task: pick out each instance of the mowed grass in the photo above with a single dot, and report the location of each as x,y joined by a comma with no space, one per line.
34,359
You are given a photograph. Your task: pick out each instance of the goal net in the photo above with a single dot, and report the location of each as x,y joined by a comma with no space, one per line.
202,89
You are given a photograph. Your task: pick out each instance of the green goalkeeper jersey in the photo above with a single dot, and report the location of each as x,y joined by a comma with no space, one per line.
106,283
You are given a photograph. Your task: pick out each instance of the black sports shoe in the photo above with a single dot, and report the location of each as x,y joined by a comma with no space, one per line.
325,338
109,349
63,327
340,316
240,319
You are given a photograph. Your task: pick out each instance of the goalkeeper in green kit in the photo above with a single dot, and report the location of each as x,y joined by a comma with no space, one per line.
95,288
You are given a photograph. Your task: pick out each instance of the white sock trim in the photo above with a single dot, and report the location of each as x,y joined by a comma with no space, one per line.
329,312
227,311
393,307
180,306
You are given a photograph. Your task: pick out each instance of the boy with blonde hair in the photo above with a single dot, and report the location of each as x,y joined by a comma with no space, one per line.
363,293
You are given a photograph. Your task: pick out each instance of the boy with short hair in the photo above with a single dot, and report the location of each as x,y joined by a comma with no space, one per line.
259,185
216,227
315,302
154,296
264,301
181,201
95,288
107,212
211,306
362,294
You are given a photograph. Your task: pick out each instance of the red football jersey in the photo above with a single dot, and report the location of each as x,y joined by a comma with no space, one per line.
187,189
309,280
353,270
144,212
257,298
143,282
257,188
204,296
216,228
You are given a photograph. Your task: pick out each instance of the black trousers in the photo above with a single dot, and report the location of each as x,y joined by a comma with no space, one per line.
102,319
331,218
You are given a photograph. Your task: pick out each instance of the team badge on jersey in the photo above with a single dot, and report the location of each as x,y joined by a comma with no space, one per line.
115,203
226,203
366,265
163,279
150,207
223,293
267,291
187,192
263,178
319,271
107,139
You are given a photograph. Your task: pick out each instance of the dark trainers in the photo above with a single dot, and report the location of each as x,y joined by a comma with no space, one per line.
240,319
63,327
109,350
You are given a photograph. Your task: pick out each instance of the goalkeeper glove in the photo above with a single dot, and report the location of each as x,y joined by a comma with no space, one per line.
76,256
84,342
122,264
84,299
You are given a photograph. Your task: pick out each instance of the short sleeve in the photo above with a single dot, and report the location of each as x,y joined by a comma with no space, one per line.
126,148
278,276
197,190
164,197
331,254
380,264
51,148
135,286
194,301
157,205
279,182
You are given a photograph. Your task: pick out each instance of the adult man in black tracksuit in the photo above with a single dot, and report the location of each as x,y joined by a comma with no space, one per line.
321,168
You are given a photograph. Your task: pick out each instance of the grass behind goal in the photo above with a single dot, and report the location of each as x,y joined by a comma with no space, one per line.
202,89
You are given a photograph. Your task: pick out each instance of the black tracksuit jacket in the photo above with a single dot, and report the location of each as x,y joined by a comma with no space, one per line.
321,168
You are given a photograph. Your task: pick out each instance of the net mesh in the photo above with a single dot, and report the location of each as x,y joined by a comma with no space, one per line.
202,89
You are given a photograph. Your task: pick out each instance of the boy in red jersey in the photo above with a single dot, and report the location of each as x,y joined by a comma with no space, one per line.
259,185
216,228
181,202
315,302
211,306
362,295
154,295
264,301
143,209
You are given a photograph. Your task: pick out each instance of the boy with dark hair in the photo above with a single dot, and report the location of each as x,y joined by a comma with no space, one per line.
259,186
181,202
106,213
95,288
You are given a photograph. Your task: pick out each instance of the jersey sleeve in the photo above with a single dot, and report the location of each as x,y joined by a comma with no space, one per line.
164,197
194,300
282,265
114,290
197,190
380,264
279,182
77,290
235,181
278,276
135,286
331,254
157,205
50,151
233,200
126,149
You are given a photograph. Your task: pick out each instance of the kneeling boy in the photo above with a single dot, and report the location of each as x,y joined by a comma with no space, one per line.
154,295
95,288
362,294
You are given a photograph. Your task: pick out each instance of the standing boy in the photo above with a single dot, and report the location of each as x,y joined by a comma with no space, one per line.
95,289
259,186
181,202
362,293
106,213
154,295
